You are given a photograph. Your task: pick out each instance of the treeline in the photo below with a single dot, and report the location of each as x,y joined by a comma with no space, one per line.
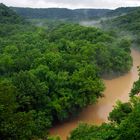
9,16
129,23
60,13
71,15
47,76
121,11
124,122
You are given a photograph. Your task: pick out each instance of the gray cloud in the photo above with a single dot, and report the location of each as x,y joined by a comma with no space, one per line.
72,3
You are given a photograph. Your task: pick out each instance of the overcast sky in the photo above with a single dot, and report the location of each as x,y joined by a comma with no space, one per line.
72,3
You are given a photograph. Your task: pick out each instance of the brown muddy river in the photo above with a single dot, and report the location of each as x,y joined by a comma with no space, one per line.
116,89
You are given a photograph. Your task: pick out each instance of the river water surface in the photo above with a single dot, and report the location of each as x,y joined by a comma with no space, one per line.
116,89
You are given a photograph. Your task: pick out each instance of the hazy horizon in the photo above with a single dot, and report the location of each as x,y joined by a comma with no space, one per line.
70,4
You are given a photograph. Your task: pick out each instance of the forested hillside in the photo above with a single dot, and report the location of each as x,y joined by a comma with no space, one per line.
129,23
71,15
60,13
47,76
9,16
121,11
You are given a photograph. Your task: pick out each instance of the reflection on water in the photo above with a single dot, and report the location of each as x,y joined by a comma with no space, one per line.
116,89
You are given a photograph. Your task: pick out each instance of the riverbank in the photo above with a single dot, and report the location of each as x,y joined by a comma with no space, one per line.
116,89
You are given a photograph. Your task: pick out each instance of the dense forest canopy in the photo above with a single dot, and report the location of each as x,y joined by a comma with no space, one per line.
49,74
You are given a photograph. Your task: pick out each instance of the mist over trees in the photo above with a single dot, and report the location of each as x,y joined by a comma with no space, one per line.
130,23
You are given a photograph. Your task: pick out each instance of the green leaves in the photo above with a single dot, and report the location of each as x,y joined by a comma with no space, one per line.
52,75
120,112
92,132
136,88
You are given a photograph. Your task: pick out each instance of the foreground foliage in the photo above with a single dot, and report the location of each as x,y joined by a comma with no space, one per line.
127,128
124,124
